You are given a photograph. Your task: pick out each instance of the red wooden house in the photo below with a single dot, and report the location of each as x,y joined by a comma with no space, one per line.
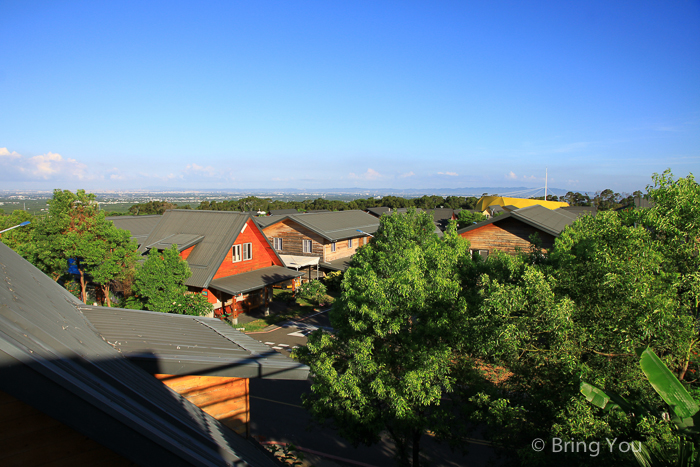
232,262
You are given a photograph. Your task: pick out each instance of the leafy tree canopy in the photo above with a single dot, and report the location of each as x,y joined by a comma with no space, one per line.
393,354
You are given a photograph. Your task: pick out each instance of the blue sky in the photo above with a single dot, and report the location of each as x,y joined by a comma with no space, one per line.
237,95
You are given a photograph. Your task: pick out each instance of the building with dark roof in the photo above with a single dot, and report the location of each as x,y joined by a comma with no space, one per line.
138,226
71,394
232,262
511,231
319,240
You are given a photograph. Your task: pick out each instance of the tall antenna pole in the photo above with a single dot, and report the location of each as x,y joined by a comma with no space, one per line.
545,184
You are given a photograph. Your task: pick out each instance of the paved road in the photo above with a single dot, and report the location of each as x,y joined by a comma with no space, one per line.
277,415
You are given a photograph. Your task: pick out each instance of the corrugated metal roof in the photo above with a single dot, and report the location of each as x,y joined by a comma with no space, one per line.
188,345
253,280
219,229
183,241
268,220
379,211
52,358
333,226
138,226
579,210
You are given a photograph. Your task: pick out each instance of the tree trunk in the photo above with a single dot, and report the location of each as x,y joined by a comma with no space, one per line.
83,286
105,291
416,448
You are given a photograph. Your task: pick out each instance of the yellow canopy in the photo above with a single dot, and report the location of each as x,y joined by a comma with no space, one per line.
486,201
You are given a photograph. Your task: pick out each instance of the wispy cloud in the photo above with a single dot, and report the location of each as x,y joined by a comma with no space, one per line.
408,174
371,174
451,174
207,171
511,175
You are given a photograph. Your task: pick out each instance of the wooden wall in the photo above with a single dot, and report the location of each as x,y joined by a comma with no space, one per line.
225,399
342,250
506,236
30,438
292,235
263,255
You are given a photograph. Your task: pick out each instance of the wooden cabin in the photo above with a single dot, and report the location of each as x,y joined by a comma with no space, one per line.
327,239
511,232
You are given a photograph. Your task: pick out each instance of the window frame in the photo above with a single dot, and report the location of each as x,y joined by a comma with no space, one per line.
305,243
350,243
247,251
332,247
236,253
277,243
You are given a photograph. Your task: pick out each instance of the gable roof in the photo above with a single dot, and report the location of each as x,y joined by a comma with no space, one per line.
546,220
138,226
487,201
218,231
189,345
579,210
52,358
332,226
378,211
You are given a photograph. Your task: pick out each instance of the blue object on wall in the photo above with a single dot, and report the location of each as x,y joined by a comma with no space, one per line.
73,266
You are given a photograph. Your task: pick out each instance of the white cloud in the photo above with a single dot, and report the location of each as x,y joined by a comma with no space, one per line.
408,174
451,174
371,174
42,167
208,171
511,175
12,155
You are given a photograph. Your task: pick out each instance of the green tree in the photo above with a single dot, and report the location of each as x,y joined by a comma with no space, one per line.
579,314
467,218
159,285
394,351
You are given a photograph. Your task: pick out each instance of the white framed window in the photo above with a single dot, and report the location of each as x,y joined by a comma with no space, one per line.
247,251
333,247
364,240
277,243
350,243
306,246
236,253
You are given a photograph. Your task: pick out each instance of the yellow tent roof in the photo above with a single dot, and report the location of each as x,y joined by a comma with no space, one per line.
486,201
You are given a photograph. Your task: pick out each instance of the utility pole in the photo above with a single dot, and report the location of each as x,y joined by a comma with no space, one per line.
545,183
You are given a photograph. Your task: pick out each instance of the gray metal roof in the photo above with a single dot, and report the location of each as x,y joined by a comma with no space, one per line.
579,210
333,226
52,358
189,345
378,211
219,229
269,220
546,220
282,212
182,241
138,226
253,280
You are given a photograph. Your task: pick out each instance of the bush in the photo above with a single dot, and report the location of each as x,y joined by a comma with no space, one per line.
333,280
313,291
